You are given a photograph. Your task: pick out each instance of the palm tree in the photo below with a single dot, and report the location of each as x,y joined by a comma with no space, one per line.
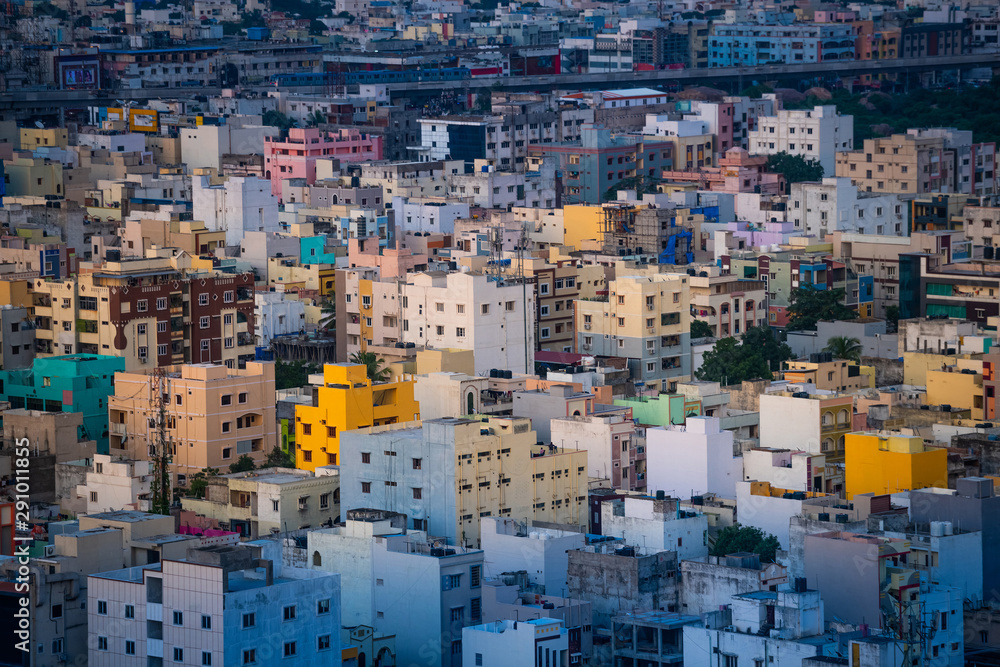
377,372
328,314
315,119
844,347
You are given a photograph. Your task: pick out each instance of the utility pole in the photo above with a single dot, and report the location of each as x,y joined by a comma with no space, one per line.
159,450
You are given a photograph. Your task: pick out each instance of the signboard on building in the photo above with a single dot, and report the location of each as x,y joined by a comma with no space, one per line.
80,72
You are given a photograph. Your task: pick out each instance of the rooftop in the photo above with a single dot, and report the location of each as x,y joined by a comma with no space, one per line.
668,619
125,516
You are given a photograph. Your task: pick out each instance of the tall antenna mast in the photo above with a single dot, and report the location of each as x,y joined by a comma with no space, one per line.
159,450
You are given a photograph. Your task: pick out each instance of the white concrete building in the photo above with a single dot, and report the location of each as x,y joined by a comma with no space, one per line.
116,485
785,468
815,134
655,525
487,187
232,605
455,394
693,459
427,214
661,125
538,641
468,311
740,633
510,546
116,142
277,316
835,205
238,205
204,145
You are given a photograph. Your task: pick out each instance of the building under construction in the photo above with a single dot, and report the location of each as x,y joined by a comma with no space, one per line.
630,231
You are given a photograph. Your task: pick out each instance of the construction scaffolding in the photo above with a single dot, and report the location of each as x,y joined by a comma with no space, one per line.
634,231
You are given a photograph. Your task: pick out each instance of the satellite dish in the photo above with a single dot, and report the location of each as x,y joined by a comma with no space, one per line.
40,125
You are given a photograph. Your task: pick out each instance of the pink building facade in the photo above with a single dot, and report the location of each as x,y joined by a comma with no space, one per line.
391,262
295,157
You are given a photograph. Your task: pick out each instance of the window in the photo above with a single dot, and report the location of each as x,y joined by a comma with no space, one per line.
323,643
178,654
129,611
205,322
227,296
249,656
178,618
417,493
440,330
202,299
460,332
143,352
142,305
475,575
366,487
510,306
486,309
457,613
140,329
102,607
324,501
161,327
161,303
206,622
249,620
366,457
129,647
289,649
206,659
323,607
102,643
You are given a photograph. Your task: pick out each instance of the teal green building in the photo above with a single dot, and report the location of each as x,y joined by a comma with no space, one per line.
72,383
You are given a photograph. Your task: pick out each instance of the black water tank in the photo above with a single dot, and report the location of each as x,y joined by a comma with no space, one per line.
823,516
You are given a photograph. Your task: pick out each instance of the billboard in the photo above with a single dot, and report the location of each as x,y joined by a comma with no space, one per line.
79,72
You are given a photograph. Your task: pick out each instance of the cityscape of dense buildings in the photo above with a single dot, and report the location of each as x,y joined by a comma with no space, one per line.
553,333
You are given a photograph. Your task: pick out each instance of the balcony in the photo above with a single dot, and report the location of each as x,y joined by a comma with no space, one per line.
244,338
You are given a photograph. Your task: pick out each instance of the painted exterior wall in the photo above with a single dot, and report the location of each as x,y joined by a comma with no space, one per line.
653,526
511,546
691,460
878,464
535,641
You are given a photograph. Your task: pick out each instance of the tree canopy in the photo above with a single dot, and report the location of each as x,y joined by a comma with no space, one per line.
746,539
794,168
844,347
377,371
243,464
732,362
279,458
288,375
701,329
278,120
808,306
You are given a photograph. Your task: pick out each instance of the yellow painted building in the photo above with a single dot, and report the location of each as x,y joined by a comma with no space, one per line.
581,223
346,401
876,463
960,386
837,375
32,138
917,364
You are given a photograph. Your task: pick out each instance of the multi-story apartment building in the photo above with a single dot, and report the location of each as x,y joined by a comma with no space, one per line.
933,39
388,573
151,311
963,290
266,502
213,415
614,443
903,164
235,205
731,120
447,473
296,155
79,383
816,422
814,134
347,400
824,372
467,311
646,319
836,205
752,44
225,605
729,304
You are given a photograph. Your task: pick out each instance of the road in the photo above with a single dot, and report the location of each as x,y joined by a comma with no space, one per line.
43,101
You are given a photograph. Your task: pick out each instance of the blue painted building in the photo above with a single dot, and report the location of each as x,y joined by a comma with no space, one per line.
73,383
750,44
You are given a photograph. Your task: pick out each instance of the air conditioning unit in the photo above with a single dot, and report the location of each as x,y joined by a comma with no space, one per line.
50,550
652,330
586,325
143,360
585,346
649,306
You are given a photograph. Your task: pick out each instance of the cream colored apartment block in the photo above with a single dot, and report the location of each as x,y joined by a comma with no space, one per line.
213,416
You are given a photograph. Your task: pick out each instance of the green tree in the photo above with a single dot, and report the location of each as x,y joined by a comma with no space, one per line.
701,329
279,458
892,317
200,482
753,358
641,184
328,314
278,120
808,306
746,539
288,375
757,91
243,464
844,347
794,168
377,371
315,118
